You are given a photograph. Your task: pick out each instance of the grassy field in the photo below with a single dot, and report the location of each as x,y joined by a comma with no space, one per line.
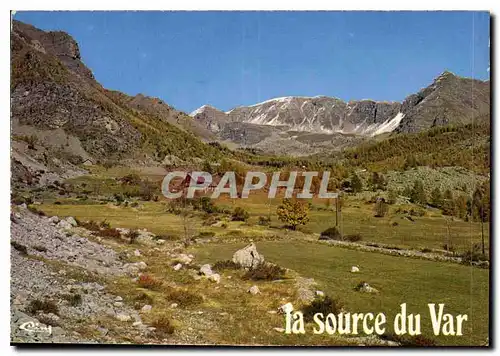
463,289
430,231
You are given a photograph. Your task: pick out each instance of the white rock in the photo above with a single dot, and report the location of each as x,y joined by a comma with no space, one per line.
206,270
118,298
160,242
183,258
63,224
177,266
123,317
280,330
146,309
354,269
368,289
118,304
248,257
254,290
137,323
141,265
137,253
320,293
54,219
174,305
72,221
286,308
215,277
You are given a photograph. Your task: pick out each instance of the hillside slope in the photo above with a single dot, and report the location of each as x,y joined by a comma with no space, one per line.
61,111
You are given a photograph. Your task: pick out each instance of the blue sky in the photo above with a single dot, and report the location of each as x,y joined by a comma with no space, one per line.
228,59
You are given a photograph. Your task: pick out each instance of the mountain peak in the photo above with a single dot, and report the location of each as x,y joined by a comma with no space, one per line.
203,109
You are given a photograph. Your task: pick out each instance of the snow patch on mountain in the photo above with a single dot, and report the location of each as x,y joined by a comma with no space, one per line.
201,109
389,125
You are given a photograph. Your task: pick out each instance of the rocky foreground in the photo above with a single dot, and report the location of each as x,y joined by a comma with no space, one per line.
48,262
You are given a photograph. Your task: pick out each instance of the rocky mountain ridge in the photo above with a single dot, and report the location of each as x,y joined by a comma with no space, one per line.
449,99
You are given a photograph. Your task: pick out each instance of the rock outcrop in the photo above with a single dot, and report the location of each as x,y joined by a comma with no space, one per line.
248,257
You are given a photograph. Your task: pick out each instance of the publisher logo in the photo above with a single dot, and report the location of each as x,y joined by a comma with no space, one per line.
33,327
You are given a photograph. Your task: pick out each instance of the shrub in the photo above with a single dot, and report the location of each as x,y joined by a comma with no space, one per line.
264,220
110,232
39,248
417,212
204,204
353,237
90,225
227,264
146,191
119,198
132,236
206,234
325,305
149,282
19,247
417,194
332,233
392,197
293,213
131,179
47,320
143,298
380,208
356,185
210,220
426,250
104,224
163,326
45,306
36,211
240,214
474,255
266,272
448,247
74,299
184,297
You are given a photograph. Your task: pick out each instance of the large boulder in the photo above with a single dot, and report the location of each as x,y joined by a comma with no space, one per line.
248,257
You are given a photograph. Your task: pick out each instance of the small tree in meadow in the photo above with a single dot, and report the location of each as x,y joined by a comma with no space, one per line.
293,213
356,184
380,208
417,195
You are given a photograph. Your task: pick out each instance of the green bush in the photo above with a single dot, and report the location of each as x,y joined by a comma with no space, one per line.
332,233
353,237
240,214
45,306
264,220
19,247
265,271
325,305
227,264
